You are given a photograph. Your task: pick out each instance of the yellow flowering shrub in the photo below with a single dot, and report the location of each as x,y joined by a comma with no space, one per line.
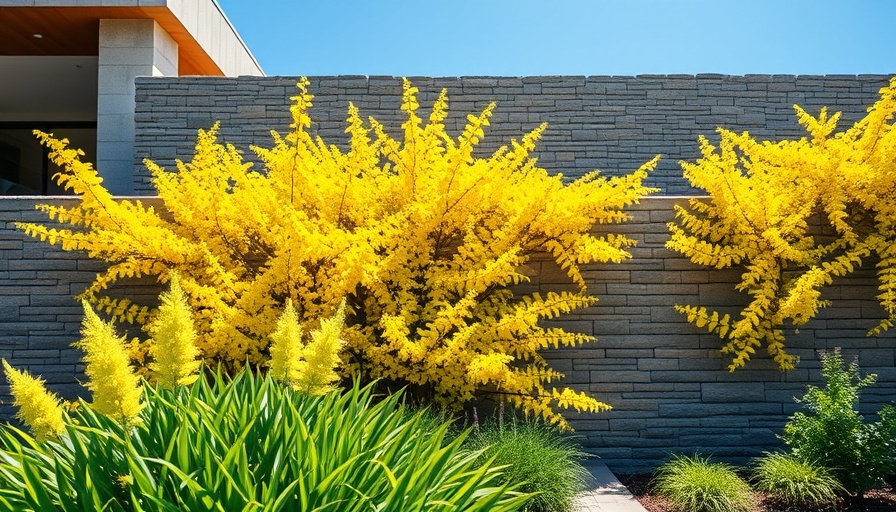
424,239
763,198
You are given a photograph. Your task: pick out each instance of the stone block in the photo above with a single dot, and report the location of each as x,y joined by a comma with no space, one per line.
650,364
620,376
614,353
870,358
695,410
732,392
600,387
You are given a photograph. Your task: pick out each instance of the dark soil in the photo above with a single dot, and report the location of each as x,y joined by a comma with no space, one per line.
878,500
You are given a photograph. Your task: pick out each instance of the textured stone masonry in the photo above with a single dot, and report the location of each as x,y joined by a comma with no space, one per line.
667,381
39,319
611,123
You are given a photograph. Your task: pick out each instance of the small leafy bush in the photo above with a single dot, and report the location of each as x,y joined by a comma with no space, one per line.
249,444
694,484
795,481
538,459
833,432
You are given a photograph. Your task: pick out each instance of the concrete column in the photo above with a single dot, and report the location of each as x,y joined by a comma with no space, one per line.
127,49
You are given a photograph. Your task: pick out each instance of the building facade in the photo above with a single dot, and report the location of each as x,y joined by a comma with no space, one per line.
69,67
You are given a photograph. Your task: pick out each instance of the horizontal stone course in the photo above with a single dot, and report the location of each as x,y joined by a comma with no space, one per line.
620,122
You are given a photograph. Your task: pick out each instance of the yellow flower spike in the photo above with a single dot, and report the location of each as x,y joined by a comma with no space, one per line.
38,408
308,368
173,344
286,347
115,388
322,355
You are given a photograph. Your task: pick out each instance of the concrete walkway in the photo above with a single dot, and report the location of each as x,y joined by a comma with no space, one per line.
606,494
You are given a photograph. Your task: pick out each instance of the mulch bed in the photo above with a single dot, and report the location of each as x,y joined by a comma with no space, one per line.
878,500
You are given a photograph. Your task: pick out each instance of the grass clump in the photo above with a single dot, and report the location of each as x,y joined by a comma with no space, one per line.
538,459
694,484
795,481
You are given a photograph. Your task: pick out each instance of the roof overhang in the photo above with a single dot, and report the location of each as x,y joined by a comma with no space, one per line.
74,31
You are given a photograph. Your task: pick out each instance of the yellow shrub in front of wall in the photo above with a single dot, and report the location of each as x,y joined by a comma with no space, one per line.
424,239
762,198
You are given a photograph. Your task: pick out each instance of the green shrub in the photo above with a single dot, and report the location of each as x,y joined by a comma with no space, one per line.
249,444
538,459
694,484
795,481
835,435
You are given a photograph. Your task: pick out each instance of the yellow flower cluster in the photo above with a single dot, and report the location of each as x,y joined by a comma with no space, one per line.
764,198
422,236
117,391
286,346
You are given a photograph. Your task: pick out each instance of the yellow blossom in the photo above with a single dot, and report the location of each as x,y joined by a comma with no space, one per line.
321,355
116,390
307,367
286,346
38,408
173,334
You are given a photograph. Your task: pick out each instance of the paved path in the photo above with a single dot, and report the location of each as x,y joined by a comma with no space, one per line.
606,494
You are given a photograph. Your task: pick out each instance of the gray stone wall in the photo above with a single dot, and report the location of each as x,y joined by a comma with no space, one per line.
611,123
39,318
666,380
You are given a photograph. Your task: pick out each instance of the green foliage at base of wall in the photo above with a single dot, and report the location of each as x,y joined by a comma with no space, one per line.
833,433
539,459
249,444
695,484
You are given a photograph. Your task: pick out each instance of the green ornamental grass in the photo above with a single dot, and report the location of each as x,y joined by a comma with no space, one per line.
795,481
538,458
249,444
694,484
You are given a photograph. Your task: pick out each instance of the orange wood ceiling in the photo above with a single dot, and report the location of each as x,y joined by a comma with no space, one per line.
75,31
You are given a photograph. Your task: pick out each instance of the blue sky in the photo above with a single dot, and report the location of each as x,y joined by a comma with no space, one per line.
573,37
